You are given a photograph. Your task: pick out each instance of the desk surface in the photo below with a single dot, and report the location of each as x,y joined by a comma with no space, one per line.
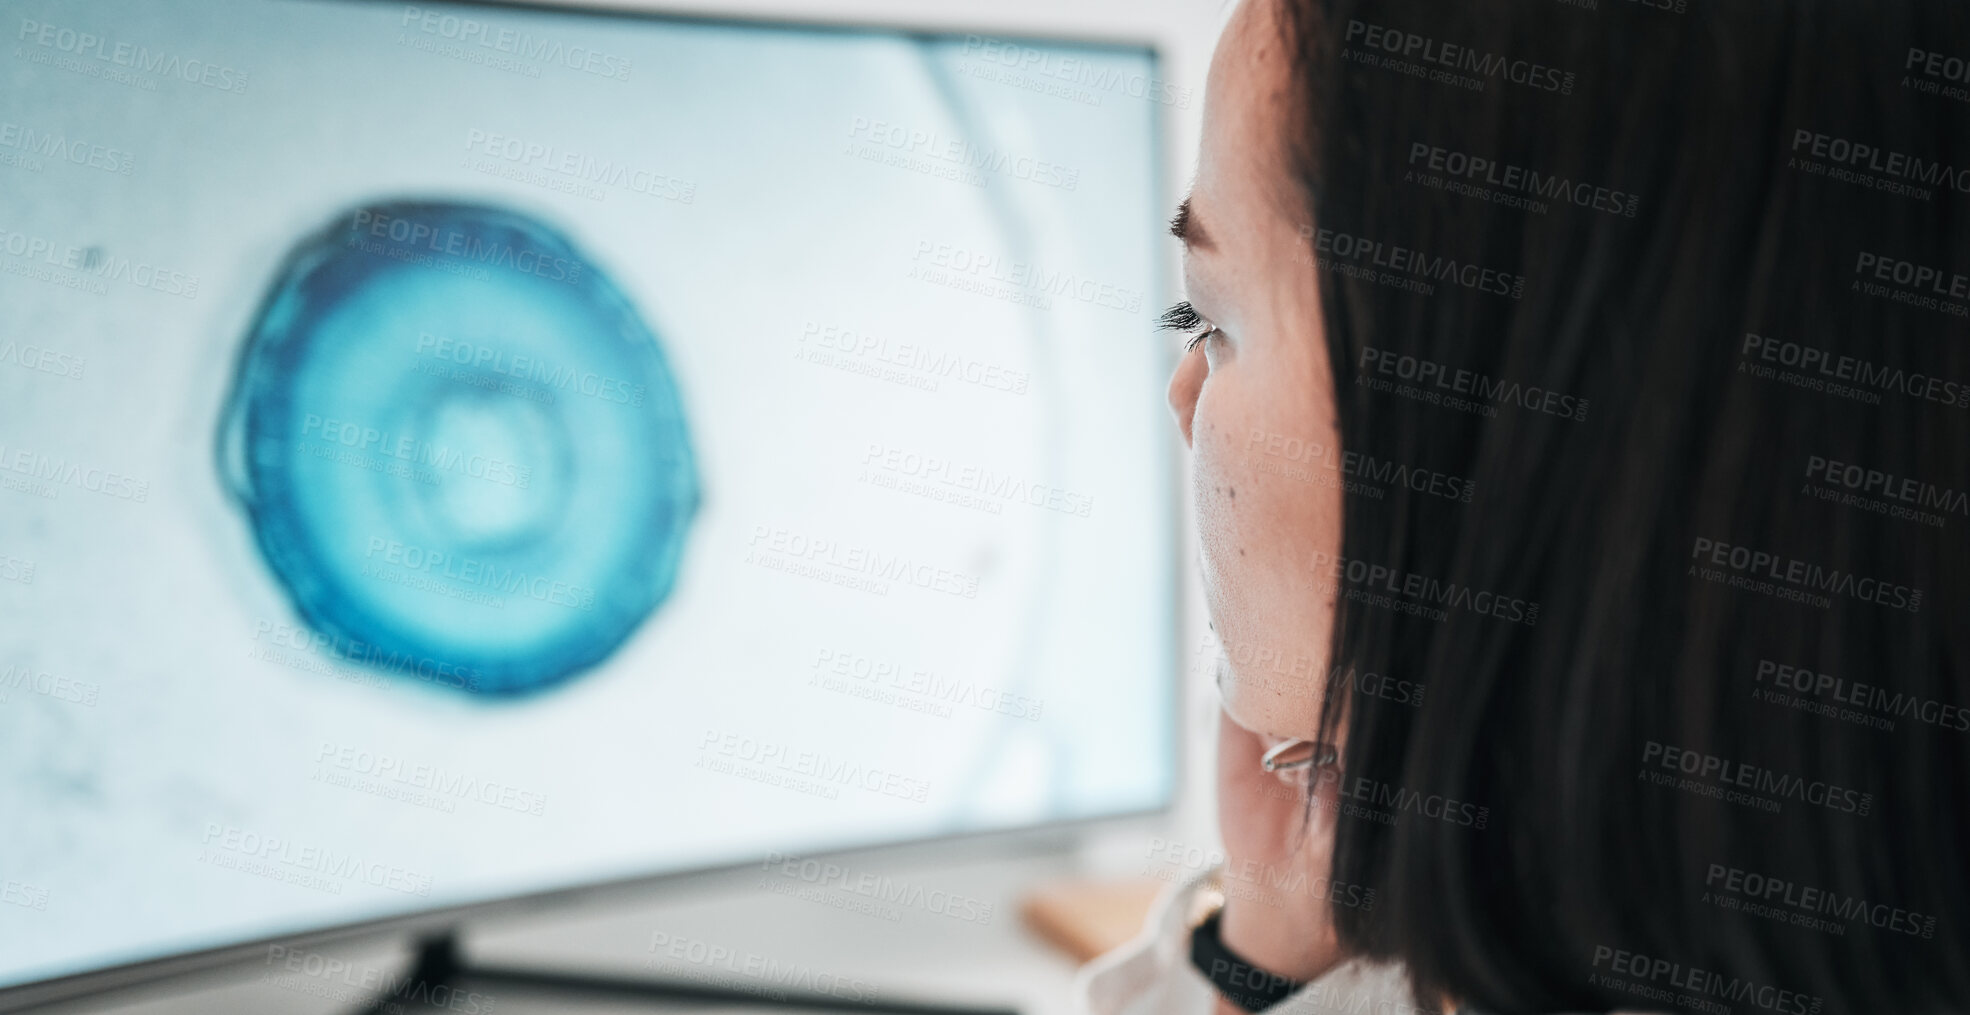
926,923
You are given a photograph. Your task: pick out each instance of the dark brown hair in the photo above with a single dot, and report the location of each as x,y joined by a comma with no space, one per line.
1682,291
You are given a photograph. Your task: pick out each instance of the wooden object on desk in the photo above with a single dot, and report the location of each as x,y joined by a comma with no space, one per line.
1087,918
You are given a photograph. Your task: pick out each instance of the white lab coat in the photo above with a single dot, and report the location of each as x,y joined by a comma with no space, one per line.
1152,974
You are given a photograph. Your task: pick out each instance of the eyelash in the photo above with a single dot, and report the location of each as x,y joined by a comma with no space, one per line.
1184,318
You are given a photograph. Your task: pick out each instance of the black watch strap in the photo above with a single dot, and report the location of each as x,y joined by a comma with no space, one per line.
1241,982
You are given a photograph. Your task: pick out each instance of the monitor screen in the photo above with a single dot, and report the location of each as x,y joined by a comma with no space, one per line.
454,452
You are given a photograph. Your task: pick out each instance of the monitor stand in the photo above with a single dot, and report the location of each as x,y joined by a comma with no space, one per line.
441,964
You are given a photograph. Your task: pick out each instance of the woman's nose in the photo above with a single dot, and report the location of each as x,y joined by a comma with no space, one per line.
1185,384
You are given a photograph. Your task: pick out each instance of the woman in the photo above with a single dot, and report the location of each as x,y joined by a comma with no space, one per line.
1579,399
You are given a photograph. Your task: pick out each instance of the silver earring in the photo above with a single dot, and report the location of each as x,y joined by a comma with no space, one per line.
1293,754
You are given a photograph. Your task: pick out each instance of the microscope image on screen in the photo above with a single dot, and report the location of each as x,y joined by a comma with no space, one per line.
759,450
460,449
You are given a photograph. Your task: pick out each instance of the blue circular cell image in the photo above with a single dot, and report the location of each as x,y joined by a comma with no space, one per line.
462,451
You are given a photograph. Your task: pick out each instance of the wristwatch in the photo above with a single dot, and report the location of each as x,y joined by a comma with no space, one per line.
1241,982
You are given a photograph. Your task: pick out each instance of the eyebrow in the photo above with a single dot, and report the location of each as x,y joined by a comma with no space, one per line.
1185,227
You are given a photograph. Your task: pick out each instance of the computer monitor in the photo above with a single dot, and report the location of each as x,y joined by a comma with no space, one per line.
457,453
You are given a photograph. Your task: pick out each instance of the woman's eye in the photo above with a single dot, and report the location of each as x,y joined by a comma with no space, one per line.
1184,318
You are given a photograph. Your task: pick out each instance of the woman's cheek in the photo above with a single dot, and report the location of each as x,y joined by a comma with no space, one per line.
1260,522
